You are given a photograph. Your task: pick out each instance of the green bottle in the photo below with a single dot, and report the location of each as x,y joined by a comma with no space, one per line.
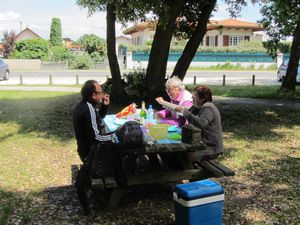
143,114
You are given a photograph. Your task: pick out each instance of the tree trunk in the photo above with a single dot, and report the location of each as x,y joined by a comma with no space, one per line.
117,92
289,83
192,45
156,70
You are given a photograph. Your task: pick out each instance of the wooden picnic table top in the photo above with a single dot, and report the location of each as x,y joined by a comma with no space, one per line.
164,148
159,146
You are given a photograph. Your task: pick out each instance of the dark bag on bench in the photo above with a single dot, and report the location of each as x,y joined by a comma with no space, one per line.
130,135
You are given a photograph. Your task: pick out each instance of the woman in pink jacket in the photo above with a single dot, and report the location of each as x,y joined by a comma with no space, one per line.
179,96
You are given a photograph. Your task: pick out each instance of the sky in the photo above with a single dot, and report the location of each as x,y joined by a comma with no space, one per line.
75,22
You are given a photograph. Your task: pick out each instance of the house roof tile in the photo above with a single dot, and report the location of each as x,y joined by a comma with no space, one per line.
233,23
212,25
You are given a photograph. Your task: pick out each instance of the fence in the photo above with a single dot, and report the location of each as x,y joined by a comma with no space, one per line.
213,57
205,59
225,79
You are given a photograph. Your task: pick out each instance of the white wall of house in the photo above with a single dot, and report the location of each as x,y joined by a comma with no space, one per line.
122,40
140,37
26,35
234,34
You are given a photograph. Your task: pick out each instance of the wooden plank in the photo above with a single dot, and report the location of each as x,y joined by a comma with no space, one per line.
110,182
163,148
182,159
97,184
162,177
216,172
115,197
74,171
227,171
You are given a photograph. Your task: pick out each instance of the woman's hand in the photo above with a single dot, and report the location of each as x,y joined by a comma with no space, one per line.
158,116
160,100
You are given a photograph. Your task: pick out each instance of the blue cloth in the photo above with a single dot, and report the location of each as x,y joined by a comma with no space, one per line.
112,123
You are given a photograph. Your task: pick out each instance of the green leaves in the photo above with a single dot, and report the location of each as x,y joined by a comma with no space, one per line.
31,49
93,43
55,32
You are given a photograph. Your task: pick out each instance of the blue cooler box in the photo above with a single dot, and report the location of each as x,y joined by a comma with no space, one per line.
199,202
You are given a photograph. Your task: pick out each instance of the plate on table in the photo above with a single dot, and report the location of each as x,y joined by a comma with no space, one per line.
120,121
172,129
174,136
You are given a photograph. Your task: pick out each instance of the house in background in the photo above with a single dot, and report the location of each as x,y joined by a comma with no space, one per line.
141,32
68,42
220,33
230,32
73,46
26,34
122,40
1,49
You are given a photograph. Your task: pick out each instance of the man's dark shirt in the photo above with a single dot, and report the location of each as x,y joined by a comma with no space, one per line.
89,127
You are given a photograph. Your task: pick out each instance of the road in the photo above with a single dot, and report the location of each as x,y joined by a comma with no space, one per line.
202,77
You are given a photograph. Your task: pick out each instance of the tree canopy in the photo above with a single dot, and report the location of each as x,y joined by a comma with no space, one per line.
9,41
281,19
31,49
93,43
55,32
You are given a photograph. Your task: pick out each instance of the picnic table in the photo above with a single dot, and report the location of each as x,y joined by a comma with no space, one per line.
177,151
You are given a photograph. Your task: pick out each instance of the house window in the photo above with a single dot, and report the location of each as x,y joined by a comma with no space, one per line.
234,40
138,41
211,41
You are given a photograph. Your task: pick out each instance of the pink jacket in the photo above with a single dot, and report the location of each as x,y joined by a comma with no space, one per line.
184,99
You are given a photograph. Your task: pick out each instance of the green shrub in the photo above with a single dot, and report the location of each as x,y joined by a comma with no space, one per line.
82,62
55,32
93,43
32,49
135,84
60,54
96,57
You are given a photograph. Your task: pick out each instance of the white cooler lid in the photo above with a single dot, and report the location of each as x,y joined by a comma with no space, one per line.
197,202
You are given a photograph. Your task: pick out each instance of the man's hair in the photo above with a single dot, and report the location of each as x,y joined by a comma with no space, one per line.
88,89
203,92
175,82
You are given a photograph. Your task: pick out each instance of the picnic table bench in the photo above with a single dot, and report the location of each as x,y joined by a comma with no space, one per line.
185,170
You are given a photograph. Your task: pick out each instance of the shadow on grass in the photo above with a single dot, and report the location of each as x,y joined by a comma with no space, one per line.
50,116
252,122
273,191
10,202
60,205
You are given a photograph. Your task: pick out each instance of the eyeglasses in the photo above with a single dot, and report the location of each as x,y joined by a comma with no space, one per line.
169,90
99,92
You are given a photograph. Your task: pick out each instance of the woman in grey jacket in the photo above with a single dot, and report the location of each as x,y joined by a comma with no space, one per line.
205,115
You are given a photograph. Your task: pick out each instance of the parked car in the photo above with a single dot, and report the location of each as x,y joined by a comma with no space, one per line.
282,71
4,70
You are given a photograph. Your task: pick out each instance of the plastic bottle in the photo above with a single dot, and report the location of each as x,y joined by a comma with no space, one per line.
150,114
143,114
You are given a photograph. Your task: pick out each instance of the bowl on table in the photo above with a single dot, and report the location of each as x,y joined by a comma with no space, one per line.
159,131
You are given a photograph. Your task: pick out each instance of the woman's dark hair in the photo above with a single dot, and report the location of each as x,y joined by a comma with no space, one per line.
203,92
88,89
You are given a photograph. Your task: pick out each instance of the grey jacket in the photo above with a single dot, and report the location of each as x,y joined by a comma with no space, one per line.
207,118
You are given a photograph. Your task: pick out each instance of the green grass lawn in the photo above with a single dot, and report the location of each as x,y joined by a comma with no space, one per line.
37,149
257,91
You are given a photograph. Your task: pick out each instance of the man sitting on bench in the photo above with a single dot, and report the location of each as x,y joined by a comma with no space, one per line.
90,132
